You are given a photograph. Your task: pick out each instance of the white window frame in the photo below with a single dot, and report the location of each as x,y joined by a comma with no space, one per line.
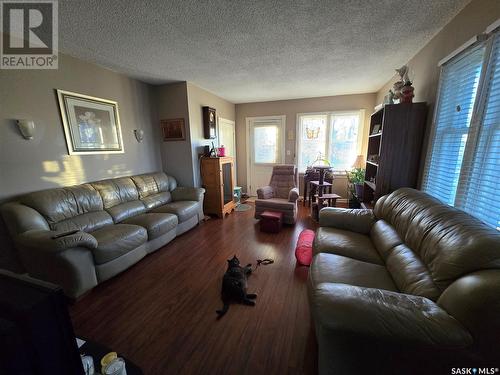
478,113
359,142
249,145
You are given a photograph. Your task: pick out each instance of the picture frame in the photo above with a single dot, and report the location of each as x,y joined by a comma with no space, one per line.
209,122
376,129
91,125
173,129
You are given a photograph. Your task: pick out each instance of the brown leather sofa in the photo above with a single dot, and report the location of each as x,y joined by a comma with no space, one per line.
412,285
118,222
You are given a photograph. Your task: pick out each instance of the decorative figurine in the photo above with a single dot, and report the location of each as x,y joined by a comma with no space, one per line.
398,86
389,97
407,93
403,89
403,73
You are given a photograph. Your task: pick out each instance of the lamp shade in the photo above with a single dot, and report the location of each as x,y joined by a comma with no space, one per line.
359,162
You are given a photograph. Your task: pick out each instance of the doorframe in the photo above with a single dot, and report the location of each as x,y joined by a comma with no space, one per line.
248,121
233,124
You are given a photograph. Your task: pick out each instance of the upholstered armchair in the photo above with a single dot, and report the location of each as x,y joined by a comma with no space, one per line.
280,195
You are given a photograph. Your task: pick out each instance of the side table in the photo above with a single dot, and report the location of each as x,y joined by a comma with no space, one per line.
330,199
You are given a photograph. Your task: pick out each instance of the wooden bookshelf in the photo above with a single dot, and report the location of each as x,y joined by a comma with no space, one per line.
394,150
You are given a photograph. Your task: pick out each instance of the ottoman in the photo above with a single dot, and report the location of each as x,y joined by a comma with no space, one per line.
271,221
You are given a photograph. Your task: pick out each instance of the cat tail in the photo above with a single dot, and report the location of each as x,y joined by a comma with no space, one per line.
223,311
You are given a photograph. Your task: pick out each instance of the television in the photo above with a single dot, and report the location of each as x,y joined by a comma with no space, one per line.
36,334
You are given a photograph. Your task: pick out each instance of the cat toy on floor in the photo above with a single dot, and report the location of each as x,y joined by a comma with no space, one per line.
234,284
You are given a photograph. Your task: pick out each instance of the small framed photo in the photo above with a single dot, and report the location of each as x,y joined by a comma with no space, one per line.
376,129
173,129
91,125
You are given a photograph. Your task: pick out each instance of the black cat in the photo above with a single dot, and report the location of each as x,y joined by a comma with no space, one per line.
234,286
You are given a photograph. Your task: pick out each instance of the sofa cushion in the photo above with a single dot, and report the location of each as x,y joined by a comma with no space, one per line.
184,210
126,210
75,207
86,222
449,242
164,182
410,274
384,237
155,200
116,191
331,268
146,185
120,198
283,179
156,224
116,240
276,203
343,242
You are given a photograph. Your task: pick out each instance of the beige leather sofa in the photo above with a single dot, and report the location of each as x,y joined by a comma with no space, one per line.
413,283
118,222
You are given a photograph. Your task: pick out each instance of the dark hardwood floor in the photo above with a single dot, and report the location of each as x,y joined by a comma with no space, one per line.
161,312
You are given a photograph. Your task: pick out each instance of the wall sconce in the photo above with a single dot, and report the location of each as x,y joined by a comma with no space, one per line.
139,135
27,128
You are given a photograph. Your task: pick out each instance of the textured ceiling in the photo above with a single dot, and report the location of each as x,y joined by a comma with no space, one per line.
246,51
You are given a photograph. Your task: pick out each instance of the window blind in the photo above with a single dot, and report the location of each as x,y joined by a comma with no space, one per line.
457,93
479,195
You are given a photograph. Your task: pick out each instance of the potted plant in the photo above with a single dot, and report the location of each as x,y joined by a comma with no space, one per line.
356,177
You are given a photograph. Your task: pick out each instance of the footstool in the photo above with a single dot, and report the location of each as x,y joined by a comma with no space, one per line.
271,221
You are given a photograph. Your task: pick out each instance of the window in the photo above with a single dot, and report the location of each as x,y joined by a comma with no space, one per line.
265,144
463,163
336,135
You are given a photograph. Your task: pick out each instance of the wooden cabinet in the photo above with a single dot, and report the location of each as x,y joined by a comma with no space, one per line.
218,180
394,149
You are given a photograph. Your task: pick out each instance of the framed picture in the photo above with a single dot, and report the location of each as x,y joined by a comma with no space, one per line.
376,129
173,129
91,125
209,124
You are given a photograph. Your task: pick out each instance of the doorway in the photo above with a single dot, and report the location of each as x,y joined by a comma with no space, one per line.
227,138
265,147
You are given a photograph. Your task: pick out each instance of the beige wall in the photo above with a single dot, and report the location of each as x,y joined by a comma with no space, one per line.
471,21
44,161
172,103
290,108
185,100
198,98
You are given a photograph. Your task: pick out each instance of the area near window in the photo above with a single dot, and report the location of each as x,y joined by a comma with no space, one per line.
337,136
463,162
266,145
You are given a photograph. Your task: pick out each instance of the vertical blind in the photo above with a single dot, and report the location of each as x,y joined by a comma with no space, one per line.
464,158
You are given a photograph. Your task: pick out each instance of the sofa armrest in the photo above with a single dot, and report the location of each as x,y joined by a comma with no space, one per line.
265,192
188,194
355,220
293,195
382,314
42,240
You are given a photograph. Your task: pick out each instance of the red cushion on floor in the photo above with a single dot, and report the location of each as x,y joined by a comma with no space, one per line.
303,251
